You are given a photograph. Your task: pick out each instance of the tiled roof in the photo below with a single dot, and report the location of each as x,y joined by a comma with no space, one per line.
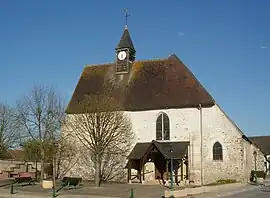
152,84
179,149
139,150
263,142
17,155
125,41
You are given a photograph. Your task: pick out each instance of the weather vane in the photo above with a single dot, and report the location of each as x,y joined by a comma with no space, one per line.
126,15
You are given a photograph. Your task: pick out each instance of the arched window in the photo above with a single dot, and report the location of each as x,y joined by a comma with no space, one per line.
163,127
217,151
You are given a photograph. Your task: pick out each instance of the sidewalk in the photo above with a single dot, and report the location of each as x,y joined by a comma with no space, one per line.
35,195
18,193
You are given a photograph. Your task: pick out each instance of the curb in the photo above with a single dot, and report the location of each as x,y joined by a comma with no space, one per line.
202,190
225,193
245,188
234,192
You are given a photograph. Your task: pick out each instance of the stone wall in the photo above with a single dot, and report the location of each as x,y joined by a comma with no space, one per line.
259,159
185,125
15,167
81,163
267,162
6,164
217,127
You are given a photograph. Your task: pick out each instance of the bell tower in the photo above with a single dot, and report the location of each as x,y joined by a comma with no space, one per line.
125,51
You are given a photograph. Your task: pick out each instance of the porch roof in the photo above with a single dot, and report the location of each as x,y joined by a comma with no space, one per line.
263,142
179,149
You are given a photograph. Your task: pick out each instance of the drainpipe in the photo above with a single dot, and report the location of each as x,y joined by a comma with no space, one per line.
201,134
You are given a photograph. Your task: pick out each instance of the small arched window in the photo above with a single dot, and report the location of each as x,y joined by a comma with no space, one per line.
163,127
217,151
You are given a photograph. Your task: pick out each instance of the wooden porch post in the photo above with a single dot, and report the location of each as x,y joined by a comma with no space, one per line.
187,170
167,169
139,173
129,171
143,172
182,170
176,176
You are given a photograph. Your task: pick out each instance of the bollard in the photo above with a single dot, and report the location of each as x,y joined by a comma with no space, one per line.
256,180
131,193
11,189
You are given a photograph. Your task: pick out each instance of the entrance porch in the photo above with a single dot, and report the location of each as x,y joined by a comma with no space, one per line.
158,161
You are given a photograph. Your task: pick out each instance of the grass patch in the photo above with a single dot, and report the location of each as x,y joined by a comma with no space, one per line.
222,181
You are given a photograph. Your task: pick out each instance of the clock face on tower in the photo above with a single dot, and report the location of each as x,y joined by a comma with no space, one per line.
122,55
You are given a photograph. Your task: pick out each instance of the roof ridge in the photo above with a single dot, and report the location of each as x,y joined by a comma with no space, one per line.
137,61
151,60
259,136
95,65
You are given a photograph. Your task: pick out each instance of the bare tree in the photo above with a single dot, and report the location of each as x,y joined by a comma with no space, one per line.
41,113
9,131
64,157
105,132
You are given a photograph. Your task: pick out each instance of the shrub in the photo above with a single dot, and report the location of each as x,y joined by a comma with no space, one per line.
222,181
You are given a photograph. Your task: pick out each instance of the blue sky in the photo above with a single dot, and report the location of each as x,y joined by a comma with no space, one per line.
224,43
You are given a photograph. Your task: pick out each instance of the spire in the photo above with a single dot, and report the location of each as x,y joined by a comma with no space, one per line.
125,41
125,51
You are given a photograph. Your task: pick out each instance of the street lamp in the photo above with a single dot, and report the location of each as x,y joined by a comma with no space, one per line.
255,159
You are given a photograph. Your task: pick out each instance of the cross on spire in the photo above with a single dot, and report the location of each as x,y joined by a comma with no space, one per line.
126,16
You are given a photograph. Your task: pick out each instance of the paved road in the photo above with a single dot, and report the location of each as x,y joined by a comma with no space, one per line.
240,192
263,192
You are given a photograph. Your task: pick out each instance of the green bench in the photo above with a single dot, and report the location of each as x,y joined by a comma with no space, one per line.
71,182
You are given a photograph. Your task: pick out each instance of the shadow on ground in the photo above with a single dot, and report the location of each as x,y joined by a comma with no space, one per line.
111,190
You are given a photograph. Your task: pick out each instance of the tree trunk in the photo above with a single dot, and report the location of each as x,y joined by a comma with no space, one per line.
57,167
54,183
97,171
42,161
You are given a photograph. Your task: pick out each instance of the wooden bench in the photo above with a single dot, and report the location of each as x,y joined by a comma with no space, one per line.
24,178
71,182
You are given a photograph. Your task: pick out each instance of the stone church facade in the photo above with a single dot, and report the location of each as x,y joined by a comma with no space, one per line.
174,119
263,142
235,161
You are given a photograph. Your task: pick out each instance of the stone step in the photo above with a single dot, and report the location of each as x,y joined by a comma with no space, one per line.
152,182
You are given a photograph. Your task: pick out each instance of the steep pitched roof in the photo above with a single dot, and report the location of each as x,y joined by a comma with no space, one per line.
139,150
16,155
152,84
263,142
125,41
179,149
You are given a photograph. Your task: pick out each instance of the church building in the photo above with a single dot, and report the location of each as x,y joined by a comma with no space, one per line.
178,125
